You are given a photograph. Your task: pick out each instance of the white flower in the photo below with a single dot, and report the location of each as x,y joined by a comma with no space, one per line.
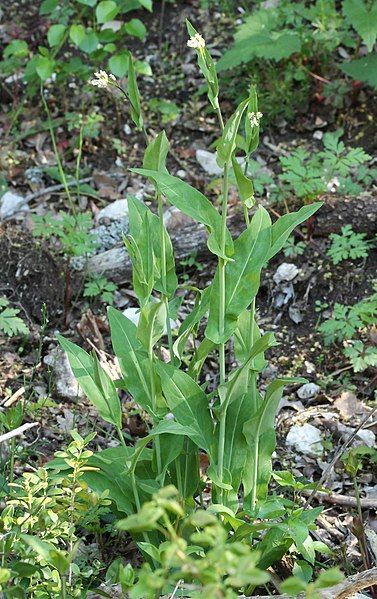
254,118
102,80
197,42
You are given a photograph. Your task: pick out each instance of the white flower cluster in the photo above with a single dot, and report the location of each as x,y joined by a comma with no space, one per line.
254,118
102,80
197,42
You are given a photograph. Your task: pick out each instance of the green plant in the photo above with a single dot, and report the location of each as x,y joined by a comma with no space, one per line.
345,323
232,423
10,323
308,176
348,245
361,357
77,32
291,42
44,511
71,231
99,286
292,249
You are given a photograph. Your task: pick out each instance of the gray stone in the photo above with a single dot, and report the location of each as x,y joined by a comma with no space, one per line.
114,211
285,272
11,204
207,161
305,439
308,391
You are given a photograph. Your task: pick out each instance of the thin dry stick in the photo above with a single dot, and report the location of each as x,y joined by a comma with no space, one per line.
17,431
337,455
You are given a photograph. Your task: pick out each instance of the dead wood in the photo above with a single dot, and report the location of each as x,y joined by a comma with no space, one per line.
189,237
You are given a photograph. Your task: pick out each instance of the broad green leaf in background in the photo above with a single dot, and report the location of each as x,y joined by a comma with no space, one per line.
193,203
188,403
94,381
90,42
255,38
88,2
118,64
106,11
363,69
55,34
283,227
242,277
44,67
362,16
260,436
227,141
77,34
136,28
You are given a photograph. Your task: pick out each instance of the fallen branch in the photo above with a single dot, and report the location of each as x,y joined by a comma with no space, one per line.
346,500
189,238
17,431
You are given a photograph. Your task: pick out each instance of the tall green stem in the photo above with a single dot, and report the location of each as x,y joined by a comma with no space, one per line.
222,264
163,273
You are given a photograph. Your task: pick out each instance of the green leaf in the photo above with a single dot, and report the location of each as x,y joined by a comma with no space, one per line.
156,153
133,359
77,34
244,185
44,67
364,69
188,403
110,476
136,28
118,64
363,19
56,34
260,436
106,11
48,6
152,323
238,382
269,45
88,2
193,203
134,94
192,319
283,227
10,323
146,4
227,142
245,336
143,238
242,277
89,43
94,381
